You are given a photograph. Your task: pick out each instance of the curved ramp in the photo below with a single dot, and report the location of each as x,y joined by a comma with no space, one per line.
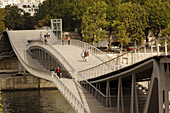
76,95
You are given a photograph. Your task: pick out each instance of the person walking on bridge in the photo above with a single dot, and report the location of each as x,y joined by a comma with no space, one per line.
68,39
63,39
82,55
86,55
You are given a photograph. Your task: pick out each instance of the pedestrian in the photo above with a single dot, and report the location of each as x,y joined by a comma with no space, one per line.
45,40
41,37
63,39
48,35
52,68
68,39
82,55
58,71
86,55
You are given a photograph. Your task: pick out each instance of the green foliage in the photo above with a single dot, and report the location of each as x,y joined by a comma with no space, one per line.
94,22
1,111
17,19
158,15
2,17
14,19
130,23
166,31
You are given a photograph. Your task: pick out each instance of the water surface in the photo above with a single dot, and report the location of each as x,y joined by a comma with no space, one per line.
34,101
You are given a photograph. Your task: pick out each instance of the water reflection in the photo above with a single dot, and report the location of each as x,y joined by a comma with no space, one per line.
43,101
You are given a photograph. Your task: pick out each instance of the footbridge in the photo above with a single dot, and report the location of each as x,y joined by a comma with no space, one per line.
134,82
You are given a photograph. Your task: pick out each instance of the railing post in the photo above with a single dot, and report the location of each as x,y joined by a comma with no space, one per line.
127,58
138,55
151,49
158,46
144,52
166,53
132,58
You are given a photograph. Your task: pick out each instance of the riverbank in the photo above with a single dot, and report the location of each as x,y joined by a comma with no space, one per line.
23,82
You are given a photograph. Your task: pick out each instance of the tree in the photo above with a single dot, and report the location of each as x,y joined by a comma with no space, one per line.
138,23
111,16
14,18
120,29
55,9
94,22
158,15
29,21
2,17
130,23
79,8
166,31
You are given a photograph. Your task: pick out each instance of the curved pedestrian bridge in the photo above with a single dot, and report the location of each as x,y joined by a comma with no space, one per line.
101,85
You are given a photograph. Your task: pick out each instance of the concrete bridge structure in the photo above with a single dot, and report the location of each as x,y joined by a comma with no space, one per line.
134,82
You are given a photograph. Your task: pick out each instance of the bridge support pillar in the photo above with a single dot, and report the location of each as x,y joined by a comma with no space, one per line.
108,99
120,97
134,99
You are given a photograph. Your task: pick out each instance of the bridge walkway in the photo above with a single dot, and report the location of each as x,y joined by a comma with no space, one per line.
19,45
72,55
86,98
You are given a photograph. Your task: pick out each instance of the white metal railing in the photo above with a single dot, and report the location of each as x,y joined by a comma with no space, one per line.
71,98
145,51
92,49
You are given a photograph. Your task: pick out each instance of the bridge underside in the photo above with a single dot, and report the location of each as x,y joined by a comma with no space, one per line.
140,89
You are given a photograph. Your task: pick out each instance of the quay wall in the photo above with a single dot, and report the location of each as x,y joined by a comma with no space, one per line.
24,82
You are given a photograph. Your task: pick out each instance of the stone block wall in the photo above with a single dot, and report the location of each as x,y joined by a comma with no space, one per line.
10,63
24,82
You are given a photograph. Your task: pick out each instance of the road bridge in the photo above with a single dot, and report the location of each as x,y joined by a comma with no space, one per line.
102,85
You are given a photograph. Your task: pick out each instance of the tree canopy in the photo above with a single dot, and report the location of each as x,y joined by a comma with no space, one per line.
2,17
126,20
94,22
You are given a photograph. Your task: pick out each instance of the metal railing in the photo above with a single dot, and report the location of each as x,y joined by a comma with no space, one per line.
150,49
92,49
78,105
70,97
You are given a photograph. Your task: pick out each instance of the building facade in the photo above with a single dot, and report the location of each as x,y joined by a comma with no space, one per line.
30,6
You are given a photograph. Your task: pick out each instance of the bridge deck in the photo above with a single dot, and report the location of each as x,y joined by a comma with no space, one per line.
72,55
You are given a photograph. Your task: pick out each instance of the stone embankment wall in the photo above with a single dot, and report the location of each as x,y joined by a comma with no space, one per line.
24,82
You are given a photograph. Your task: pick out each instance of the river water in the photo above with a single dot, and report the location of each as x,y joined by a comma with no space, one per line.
34,101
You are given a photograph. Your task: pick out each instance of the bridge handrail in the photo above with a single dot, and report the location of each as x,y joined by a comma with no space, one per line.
18,55
92,71
92,49
63,89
